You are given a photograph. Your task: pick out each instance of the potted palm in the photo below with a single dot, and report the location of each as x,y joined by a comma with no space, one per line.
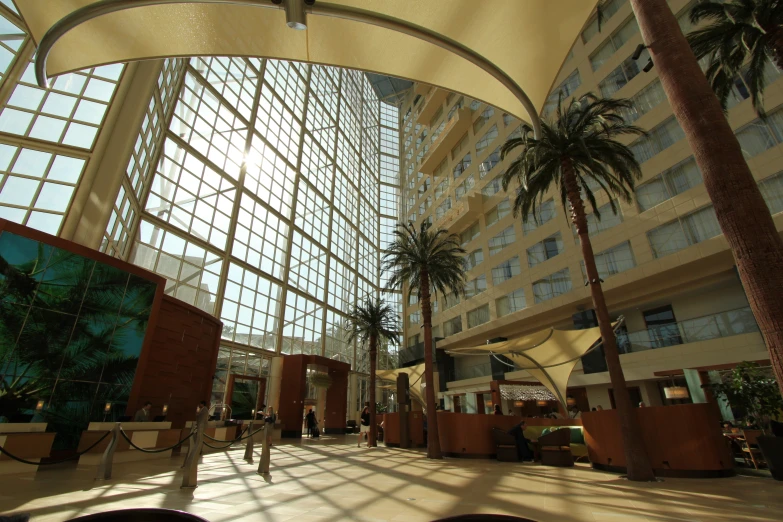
370,323
579,149
426,260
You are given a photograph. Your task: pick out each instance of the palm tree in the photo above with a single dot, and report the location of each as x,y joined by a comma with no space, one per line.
374,321
740,32
579,147
741,211
426,260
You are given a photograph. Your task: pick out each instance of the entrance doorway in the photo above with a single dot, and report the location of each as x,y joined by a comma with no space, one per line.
245,394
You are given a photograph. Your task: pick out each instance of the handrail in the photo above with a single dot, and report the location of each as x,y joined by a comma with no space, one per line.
685,330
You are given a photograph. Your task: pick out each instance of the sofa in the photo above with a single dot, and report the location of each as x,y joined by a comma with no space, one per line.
578,446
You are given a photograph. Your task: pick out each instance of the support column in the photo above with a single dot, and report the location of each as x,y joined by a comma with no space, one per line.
353,396
448,403
693,379
320,408
93,201
275,382
470,403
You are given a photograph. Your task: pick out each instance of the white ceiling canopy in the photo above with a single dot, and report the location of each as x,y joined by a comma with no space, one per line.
506,53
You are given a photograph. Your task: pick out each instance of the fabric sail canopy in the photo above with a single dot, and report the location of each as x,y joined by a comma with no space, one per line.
527,39
548,355
415,381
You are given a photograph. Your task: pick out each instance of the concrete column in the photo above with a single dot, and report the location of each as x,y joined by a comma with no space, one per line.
693,379
320,408
470,403
275,382
448,403
94,198
353,394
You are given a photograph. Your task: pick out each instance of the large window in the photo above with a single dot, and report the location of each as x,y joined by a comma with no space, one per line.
476,286
683,232
668,184
452,326
592,29
772,190
564,90
502,240
612,261
644,101
622,74
608,219
544,250
614,42
486,139
510,303
473,259
552,286
498,212
660,138
544,213
758,136
506,270
478,316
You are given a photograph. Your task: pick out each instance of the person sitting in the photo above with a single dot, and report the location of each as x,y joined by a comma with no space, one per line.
523,450
143,415
498,411
574,413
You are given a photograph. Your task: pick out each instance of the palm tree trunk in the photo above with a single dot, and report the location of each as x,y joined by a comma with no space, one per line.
372,440
637,462
741,211
433,442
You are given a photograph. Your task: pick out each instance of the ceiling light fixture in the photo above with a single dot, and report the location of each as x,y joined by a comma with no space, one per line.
295,15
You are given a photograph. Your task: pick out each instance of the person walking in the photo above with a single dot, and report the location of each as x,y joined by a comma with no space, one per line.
310,422
364,429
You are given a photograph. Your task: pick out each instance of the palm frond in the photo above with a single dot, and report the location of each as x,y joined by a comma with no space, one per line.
737,42
374,318
583,135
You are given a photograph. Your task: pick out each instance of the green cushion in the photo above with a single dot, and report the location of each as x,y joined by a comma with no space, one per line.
545,431
577,436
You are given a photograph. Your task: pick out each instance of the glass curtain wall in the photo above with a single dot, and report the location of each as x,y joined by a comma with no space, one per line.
274,186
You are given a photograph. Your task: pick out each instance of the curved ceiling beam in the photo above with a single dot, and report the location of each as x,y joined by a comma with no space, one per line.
105,7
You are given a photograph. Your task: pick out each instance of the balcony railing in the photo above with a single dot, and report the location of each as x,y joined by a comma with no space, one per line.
472,372
722,324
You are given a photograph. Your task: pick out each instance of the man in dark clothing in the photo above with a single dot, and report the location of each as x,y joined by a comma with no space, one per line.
310,422
518,432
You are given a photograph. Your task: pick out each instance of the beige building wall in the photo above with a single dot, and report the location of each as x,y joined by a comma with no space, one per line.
696,281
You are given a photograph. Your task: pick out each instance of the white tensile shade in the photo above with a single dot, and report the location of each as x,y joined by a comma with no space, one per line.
527,39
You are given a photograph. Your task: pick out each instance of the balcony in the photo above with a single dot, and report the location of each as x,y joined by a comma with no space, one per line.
449,136
432,102
462,213
723,324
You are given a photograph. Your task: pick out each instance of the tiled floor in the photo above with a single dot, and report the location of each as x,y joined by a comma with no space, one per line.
332,479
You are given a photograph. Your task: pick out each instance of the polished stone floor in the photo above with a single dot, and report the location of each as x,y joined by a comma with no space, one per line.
332,479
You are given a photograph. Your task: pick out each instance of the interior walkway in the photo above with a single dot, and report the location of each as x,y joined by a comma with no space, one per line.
332,479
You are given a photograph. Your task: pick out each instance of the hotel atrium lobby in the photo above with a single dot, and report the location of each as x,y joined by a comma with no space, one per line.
388,260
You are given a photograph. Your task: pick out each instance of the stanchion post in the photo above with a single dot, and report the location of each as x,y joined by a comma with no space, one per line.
269,428
104,467
249,445
190,475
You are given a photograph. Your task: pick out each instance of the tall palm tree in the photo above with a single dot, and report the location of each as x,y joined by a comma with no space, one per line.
742,38
578,147
372,322
741,211
426,260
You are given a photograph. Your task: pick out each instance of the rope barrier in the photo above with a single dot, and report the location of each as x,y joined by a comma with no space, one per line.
231,443
60,461
161,450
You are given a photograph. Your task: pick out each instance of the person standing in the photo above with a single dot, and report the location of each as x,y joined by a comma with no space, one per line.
143,415
523,450
310,422
364,429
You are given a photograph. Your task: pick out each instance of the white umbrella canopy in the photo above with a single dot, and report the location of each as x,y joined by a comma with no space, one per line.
548,355
527,40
